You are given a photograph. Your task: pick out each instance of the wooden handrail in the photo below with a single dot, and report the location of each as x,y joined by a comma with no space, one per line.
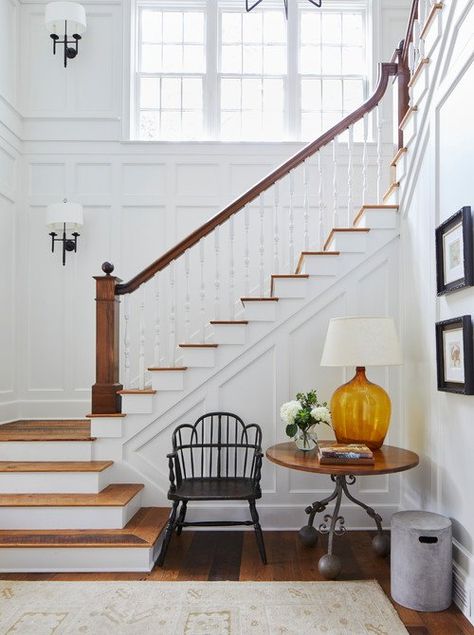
409,32
386,70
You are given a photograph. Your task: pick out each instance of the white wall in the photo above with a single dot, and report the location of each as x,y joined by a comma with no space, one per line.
437,424
10,147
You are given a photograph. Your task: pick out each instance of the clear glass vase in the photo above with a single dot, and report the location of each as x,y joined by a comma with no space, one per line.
306,441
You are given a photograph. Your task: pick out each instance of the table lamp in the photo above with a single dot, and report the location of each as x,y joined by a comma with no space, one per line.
360,409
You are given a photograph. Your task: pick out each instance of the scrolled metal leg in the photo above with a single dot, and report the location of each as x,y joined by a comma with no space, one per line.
380,542
309,534
330,565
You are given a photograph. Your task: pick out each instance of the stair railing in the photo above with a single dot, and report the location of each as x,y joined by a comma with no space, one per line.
182,286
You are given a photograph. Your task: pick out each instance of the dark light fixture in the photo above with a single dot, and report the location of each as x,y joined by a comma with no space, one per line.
64,17
249,5
61,218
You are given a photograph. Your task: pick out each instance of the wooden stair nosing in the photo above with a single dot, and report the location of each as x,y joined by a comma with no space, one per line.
108,415
229,322
286,276
166,368
410,110
299,265
363,209
336,230
136,391
393,186
436,7
115,495
396,158
142,531
54,466
198,345
272,299
417,71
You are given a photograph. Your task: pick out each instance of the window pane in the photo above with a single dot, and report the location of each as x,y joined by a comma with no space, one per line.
332,94
172,58
274,60
253,27
151,26
311,94
191,125
192,93
230,94
273,125
310,25
253,60
231,59
149,92
231,126
252,94
331,60
274,26
151,58
310,60
310,125
193,58
170,92
172,26
231,27
352,29
170,125
331,28
353,93
194,27
251,124
273,94
353,60
149,125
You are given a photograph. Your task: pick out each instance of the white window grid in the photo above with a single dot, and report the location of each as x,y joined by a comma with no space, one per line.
292,80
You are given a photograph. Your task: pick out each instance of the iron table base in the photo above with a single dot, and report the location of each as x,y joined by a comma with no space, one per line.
334,525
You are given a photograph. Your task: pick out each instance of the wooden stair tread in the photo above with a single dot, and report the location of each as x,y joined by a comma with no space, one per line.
259,299
435,7
364,208
393,186
115,495
163,368
198,345
141,531
417,71
103,414
46,430
396,158
290,275
136,391
54,466
336,230
229,322
410,110
299,265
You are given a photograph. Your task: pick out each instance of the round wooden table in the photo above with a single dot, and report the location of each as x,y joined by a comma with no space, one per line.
388,460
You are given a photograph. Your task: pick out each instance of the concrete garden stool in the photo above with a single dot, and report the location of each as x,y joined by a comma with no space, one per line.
421,561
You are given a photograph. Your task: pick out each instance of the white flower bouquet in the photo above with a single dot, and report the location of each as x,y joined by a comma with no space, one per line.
302,415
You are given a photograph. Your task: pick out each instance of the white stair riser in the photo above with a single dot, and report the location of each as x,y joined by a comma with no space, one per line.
199,357
392,198
230,333
419,89
399,171
54,482
379,219
167,379
319,265
433,34
106,427
409,129
137,404
350,242
46,450
261,311
74,559
290,287
69,517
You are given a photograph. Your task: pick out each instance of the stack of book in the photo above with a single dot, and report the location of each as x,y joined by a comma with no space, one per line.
345,454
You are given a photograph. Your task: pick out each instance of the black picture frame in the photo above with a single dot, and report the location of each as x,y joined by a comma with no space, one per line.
462,217
444,383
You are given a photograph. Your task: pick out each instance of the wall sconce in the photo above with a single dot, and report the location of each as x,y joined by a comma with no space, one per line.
64,217
68,17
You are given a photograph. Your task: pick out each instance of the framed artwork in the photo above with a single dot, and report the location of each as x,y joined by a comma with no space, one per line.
454,355
454,253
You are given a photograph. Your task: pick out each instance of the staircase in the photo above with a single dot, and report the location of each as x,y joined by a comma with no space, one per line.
72,491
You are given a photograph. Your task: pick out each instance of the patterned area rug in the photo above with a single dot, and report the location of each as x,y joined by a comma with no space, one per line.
197,608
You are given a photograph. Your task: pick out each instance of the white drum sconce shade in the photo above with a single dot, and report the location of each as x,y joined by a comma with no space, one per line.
361,341
64,19
63,218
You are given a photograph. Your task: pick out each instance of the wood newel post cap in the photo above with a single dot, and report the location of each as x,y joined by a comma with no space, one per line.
107,268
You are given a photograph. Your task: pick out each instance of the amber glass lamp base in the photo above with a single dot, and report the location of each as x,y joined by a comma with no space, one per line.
361,411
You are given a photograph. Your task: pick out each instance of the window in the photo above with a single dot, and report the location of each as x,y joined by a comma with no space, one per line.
209,70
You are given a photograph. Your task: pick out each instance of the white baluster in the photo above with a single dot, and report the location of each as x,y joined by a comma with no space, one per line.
379,152
231,269
320,241
334,183
157,334
202,290
126,338
291,224
422,11
247,249
306,205
350,140
364,160
172,331
187,298
217,280
416,41
276,234
261,248
141,344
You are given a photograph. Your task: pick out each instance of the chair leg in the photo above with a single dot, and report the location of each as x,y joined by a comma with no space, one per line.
258,531
168,533
181,517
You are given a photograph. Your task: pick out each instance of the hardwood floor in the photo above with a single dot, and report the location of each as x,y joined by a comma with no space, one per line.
233,555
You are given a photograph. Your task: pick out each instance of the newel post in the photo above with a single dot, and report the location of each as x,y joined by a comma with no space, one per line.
105,399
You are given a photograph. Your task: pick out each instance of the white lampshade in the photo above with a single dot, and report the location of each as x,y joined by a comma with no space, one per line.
59,213
361,341
57,12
